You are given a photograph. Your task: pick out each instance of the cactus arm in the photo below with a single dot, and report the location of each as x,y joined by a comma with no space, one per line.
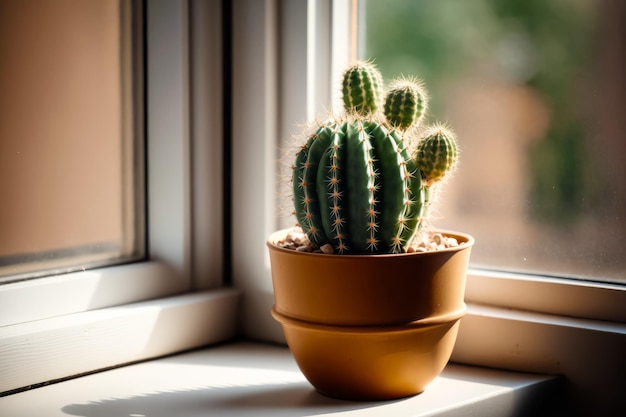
405,103
331,191
307,203
362,89
392,189
437,154
400,111
360,187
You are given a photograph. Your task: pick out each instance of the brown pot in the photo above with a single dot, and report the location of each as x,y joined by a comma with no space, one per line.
370,326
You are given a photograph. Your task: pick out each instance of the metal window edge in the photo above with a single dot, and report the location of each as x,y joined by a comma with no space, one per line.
549,295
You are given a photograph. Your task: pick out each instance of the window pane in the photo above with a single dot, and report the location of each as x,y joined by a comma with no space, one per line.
70,157
536,91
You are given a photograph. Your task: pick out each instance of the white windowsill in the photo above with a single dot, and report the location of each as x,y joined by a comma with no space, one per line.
251,379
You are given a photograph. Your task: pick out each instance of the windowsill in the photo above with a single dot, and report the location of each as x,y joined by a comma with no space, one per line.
241,379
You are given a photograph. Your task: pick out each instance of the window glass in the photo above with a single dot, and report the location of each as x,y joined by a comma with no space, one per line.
70,157
536,93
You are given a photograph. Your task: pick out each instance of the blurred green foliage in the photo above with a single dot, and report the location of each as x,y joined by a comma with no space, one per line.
547,45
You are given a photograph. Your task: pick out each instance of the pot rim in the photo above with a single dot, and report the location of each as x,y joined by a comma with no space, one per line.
468,242
421,324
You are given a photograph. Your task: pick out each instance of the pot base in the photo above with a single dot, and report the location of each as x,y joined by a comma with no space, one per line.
370,363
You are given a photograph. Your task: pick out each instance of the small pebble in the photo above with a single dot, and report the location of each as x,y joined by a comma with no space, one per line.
327,248
452,242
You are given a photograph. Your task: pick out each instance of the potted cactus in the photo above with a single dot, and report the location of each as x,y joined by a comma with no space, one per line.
369,296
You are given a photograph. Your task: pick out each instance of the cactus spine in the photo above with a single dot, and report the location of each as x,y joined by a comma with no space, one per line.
355,185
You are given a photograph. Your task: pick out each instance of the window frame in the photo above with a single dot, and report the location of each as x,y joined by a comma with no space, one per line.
181,278
167,198
560,296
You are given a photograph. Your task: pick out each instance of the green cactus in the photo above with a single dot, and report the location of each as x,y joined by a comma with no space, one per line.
355,185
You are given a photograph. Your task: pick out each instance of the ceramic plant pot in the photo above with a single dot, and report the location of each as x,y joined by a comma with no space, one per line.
370,327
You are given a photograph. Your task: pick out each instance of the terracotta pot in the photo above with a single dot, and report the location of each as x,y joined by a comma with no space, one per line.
370,326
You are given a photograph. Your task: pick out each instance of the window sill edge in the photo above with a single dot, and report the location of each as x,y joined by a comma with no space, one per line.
60,347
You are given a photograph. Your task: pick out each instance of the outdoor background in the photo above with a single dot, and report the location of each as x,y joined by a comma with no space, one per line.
536,92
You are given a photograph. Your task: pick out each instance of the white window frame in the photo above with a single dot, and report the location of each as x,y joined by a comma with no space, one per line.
515,321
59,326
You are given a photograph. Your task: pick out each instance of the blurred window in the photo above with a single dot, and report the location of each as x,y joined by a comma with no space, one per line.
536,92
